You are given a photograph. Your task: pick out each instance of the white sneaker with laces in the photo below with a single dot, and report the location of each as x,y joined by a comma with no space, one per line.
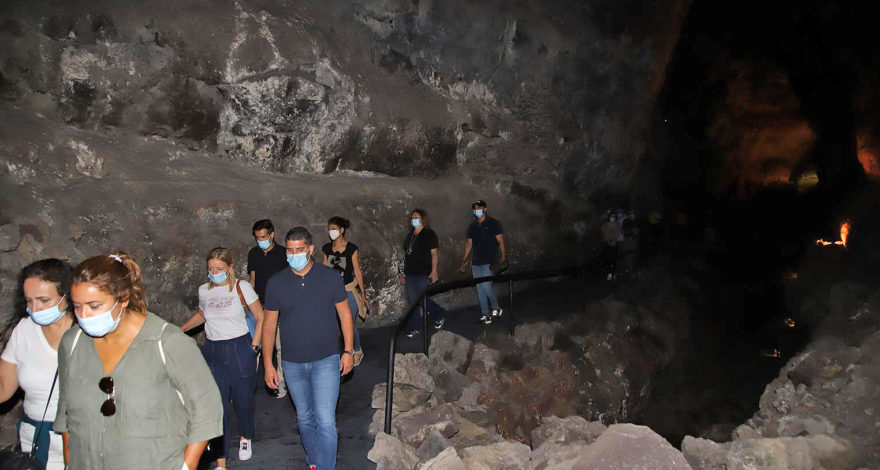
245,451
497,312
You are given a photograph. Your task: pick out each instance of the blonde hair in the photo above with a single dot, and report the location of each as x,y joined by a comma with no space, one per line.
116,274
224,255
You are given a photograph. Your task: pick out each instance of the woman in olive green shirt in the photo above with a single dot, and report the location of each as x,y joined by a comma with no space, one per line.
135,392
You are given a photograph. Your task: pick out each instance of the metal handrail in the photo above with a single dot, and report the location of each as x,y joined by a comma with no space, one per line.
440,288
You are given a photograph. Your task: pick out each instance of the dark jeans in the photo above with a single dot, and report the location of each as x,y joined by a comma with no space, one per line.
414,286
233,364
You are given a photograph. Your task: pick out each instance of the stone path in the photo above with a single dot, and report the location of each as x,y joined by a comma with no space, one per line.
277,443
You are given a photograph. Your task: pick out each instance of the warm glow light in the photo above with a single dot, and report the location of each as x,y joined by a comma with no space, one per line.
844,234
789,322
773,353
867,154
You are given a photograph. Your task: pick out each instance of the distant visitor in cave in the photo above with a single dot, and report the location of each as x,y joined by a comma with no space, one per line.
485,239
343,256
263,261
420,261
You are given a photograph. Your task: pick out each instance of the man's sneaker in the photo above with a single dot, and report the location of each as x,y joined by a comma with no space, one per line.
358,357
439,323
413,334
497,312
486,319
245,452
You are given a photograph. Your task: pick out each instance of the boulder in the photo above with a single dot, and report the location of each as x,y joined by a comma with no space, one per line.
484,360
10,235
790,453
471,434
470,398
406,397
432,445
414,428
507,455
388,453
560,430
630,447
538,336
557,456
448,381
446,460
412,369
704,454
452,349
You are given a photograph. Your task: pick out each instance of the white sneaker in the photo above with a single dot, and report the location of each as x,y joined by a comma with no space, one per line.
497,312
245,452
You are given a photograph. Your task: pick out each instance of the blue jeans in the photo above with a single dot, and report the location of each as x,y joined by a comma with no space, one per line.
485,291
414,286
314,388
353,306
234,367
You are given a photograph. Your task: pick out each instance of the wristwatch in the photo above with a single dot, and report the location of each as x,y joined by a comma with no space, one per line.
349,352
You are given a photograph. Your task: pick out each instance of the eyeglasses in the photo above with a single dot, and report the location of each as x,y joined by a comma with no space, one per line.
109,406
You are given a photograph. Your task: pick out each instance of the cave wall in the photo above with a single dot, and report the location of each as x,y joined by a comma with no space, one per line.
119,116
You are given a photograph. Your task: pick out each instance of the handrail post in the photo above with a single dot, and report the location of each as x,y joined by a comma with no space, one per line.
511,319
425,323
389,384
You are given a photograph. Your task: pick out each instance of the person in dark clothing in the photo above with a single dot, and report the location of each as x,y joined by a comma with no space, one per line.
485,239
318,338
343,256
421,257
264,260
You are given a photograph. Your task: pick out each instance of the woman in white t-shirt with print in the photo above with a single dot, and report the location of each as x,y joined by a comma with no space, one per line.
30,359
230,350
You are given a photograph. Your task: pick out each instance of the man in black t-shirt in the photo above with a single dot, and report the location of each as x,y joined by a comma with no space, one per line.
485,238
264,260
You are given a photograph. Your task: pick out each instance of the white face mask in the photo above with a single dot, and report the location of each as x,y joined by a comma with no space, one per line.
334,234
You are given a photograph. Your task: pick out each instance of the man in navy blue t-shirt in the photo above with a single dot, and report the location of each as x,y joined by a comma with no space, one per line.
486,239
312,302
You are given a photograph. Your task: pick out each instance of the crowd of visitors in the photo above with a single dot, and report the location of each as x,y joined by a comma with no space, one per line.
108,384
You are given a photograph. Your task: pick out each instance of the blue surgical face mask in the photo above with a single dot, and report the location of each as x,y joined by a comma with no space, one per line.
47,316
478,213
264,244
100,325
416,222
298,261
219,278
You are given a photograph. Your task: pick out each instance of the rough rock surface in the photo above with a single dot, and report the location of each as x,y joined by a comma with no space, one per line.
412,369
398,87
432,445
561,430
388,453
448,459
405,398
414,428
501,456
455,350
631,447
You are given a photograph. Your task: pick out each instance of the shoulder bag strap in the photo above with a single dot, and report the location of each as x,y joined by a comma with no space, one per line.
162,355
40,427
240,295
